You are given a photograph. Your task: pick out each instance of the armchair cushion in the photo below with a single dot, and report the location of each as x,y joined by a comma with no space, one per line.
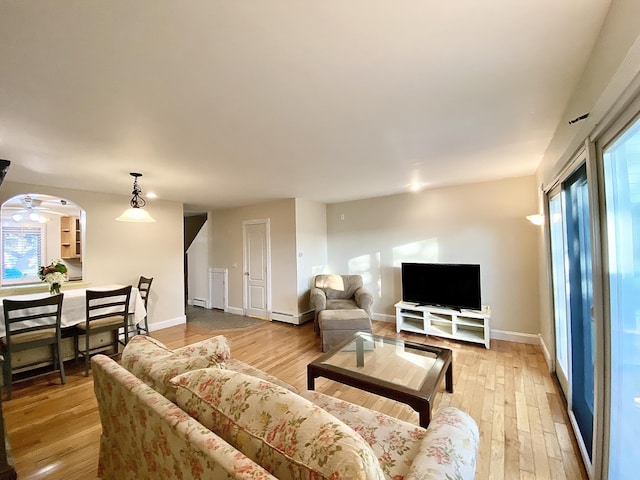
338,286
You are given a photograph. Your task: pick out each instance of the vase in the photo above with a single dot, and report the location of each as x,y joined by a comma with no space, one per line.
54,288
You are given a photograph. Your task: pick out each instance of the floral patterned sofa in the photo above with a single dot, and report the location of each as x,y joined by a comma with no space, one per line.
196,413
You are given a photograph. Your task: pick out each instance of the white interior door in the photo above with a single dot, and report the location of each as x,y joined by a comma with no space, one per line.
257,266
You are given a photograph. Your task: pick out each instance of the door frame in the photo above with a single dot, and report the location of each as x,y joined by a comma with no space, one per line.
565,379
608,134
245,283
586,155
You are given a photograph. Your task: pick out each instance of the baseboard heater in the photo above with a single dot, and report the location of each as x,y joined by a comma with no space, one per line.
199,302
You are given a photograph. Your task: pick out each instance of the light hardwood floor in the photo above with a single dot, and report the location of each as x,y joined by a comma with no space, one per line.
54,429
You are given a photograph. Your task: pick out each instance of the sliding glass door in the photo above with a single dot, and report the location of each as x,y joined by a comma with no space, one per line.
580,300
594,256
621,166
571,270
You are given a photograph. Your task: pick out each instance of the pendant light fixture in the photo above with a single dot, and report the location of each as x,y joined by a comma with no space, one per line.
136,213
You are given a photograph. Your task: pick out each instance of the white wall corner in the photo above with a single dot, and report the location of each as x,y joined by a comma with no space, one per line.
547,354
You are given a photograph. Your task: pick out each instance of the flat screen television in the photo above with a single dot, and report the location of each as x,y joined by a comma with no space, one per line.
448,285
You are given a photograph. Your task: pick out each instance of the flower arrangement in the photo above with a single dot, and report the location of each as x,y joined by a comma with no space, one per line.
55,274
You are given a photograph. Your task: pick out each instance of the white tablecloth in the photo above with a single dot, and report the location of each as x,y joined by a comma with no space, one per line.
74,307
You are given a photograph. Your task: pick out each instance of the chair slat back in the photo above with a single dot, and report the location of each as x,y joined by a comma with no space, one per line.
144,287
22,316
107,303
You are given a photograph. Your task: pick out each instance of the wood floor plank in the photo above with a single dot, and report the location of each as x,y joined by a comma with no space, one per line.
540,459
54,429
511,448
522,414
497,444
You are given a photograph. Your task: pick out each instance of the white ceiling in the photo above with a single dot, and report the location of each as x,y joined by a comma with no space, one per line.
225,103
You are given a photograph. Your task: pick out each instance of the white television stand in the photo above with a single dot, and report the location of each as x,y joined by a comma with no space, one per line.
467,325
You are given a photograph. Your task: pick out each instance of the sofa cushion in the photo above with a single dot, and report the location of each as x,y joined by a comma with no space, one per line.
155,364
286,434
240,366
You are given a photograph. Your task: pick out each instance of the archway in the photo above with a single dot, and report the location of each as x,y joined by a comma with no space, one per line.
36,229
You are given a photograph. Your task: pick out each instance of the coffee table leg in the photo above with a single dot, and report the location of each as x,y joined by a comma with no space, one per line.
449,378
311,379
360,352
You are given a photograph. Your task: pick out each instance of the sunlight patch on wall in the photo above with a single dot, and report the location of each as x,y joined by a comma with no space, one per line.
424,251
361,266
368,266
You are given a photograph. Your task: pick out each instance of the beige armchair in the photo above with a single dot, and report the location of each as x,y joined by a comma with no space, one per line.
339,292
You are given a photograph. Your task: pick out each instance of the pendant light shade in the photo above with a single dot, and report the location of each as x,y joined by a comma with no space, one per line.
136,213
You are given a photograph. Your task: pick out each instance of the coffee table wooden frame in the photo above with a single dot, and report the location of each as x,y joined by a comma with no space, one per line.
419,400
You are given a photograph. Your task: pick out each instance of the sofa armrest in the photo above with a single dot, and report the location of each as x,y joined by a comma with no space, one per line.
364,299
215,349
146,436
449,449
318,299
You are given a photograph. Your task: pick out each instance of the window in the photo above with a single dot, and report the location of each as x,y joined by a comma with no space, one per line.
21,254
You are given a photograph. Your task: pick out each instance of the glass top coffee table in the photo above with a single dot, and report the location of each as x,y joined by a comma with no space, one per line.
404,371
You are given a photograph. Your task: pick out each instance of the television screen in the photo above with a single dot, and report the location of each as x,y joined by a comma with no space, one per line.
440,284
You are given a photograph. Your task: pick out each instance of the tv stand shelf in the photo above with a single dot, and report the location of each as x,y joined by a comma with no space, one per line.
466,325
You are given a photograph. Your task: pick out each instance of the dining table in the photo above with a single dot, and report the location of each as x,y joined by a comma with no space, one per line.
74,305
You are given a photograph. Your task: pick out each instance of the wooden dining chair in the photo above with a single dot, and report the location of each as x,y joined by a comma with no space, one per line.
144,287
31,324
106,310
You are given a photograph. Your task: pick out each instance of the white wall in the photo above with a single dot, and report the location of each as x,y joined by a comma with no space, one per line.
479,223
311,246
119,252
198,267
52,242
225,250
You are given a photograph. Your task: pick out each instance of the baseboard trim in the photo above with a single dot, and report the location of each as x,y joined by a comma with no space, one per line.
383,317
516,337
234,310
172,322
547,355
